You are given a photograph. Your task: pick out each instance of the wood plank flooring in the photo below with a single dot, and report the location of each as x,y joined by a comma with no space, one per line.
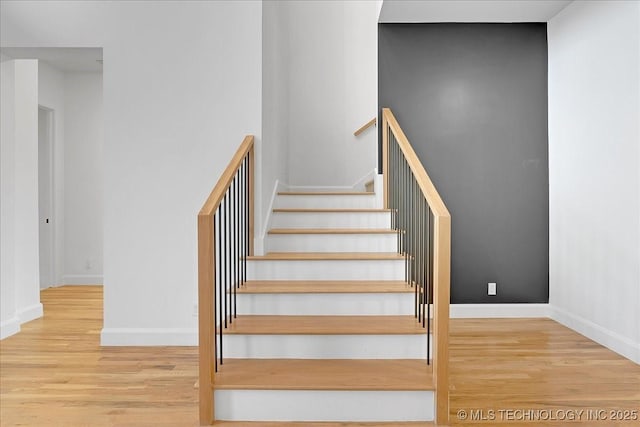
54,373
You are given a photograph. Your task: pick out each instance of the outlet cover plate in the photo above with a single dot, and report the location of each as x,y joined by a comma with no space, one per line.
492,289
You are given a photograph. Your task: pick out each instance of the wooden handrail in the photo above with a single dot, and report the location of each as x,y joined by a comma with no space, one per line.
206,272
441,257
365,126
216,195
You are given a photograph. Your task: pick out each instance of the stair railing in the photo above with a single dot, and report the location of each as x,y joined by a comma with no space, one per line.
365,126
423,226
225,239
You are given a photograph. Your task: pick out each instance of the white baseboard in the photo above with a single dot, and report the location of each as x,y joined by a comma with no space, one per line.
612,340
304,188
82,279
357,186
258,242
9,327
29,313
466,311
360,184
378,184
149,337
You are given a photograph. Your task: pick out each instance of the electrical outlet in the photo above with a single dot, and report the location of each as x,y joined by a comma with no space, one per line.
195,310
492,289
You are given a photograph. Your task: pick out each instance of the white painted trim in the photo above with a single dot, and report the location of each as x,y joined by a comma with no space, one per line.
612,340
324,405
330,304
80,279
303,188
149,337
378,184
357,186
289,346
29,313
360,184
466,311
258,242
9,327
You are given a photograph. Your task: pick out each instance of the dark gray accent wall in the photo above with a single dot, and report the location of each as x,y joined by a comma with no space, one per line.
472,99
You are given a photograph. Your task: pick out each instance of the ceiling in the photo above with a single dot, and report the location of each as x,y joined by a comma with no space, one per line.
68,59
412,11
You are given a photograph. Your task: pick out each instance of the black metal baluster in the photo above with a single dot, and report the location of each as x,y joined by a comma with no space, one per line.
420,238
416,235
223,263
232,244
430,278
246,213
246,217
216,263
396,194
241,225
236,226
227,303
421,242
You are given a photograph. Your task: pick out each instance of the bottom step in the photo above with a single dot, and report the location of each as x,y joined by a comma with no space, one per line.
320,424
324,390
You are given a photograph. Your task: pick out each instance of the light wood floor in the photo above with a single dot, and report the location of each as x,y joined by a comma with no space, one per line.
54,373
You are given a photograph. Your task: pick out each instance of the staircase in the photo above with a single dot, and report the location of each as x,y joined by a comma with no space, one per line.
325,328
332,324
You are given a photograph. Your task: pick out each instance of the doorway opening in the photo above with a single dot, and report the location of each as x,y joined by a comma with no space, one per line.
45,195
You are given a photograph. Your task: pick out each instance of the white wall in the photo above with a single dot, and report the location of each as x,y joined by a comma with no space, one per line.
84,189
20,266
274,167
182,86
594,171
9,323
333,90
51,95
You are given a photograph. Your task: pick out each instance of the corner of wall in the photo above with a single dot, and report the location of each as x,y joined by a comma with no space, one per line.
606,337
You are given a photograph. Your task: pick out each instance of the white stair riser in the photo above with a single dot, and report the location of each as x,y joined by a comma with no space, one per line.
381,304
326,202
326,270
240,346
331,220
332,242
323,405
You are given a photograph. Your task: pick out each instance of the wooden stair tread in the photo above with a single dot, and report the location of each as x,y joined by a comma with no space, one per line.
324,374
325,325
321,424
331,210
324,286
326,193
327,256
332,231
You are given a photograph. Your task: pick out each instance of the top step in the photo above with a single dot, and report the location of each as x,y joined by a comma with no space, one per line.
324,200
